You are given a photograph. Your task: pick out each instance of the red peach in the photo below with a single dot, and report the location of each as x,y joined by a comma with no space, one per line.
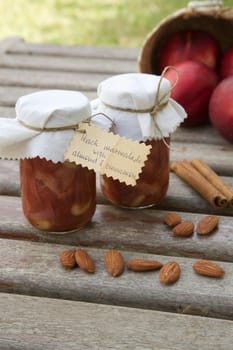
221,108
190,45
195,85
226,67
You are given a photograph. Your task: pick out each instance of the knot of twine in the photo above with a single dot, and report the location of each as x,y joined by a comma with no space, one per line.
159,103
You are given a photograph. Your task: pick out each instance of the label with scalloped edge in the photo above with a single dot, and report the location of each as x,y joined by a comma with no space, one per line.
106,153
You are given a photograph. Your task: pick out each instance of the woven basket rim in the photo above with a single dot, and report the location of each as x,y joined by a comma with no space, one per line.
183,17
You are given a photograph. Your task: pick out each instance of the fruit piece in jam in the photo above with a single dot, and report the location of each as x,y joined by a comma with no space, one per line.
57,197
152,184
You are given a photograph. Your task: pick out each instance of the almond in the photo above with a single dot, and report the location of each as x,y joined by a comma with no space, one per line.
169,273
67,259
184,229
207,224
172,219
84,261
114,262
208,268
143,265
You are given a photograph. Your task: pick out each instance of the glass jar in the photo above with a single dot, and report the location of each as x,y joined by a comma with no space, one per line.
151,187
139,107
57,197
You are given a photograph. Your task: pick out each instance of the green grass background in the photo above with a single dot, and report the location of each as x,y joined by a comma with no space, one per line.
87,22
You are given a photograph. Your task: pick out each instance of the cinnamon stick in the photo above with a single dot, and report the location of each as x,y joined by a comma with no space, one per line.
198,182
214,179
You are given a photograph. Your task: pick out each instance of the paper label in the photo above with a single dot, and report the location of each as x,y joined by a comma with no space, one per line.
107,153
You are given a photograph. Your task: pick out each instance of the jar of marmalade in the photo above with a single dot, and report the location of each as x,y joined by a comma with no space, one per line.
141,109
57,195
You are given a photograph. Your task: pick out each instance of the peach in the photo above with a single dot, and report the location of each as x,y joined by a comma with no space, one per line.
226,67
221,108
190,45
193,90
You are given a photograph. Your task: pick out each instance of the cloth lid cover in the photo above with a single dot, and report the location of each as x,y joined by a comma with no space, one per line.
137,91
43,109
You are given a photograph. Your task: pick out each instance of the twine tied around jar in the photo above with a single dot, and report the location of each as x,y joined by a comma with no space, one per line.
158,106
66,127
51,129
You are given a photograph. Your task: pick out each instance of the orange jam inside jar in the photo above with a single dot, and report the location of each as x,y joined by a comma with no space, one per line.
150,188
57,197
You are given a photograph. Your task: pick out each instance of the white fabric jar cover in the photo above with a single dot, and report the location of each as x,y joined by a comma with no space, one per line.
137,92
28,135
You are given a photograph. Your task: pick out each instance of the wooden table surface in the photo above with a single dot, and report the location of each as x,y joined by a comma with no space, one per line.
42,305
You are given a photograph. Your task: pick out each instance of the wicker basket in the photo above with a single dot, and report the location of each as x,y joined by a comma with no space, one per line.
209,16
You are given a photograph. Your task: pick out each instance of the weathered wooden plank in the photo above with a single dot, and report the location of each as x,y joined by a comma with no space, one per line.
180,196
7,112
9,42
219,157
9,178
67,64
216,152
34,269
50,80
36,323
204,134
140,230
201,135
10,94
18,45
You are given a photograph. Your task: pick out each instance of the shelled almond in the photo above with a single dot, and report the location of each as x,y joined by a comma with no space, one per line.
67,259
184,229
208,268
139,265
170,272
71,258
114,262
172,219
84,261
207,225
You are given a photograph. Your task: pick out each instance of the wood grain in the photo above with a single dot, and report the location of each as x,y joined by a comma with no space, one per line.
218,157
180,196
10,94
15,45
206,135
34,269
51,79
9,178
9,42
7,112
38,324
141,230
67,64
30,258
